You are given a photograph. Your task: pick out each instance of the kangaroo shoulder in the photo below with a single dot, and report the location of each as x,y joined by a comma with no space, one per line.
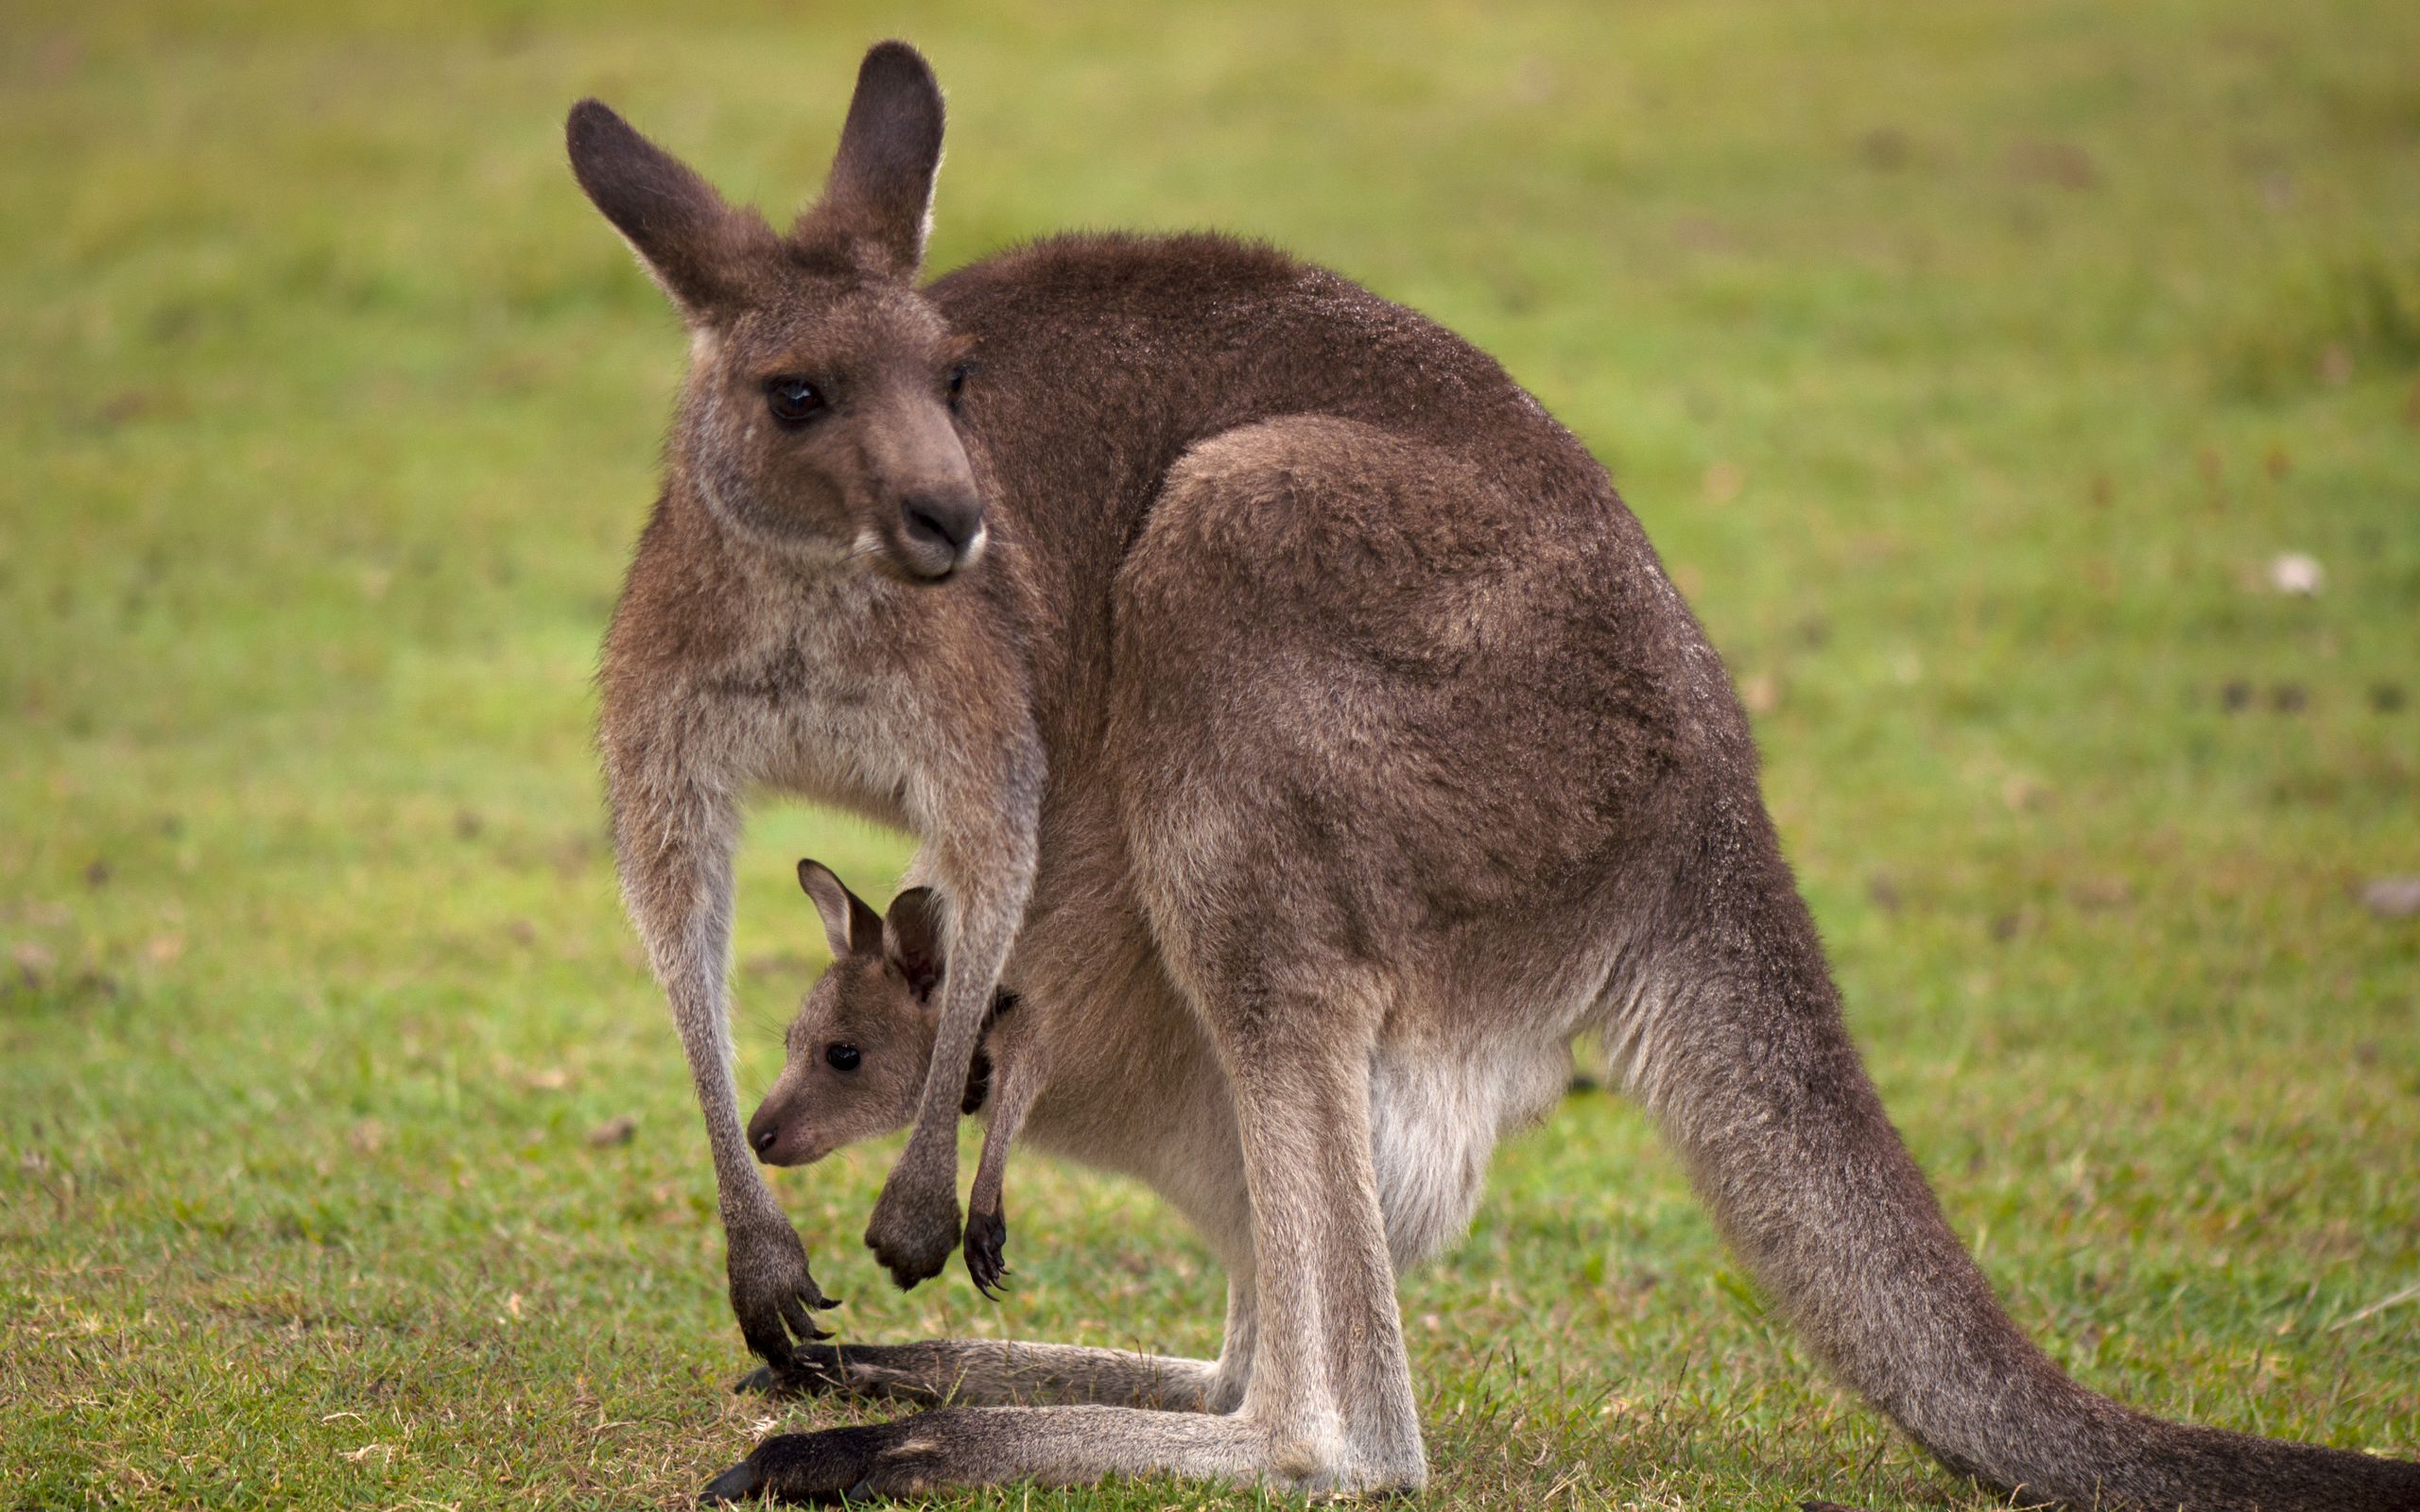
675,608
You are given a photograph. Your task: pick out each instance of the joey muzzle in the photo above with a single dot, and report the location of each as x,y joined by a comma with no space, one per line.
770,1133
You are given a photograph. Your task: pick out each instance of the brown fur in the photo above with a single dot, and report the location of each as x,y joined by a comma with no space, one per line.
1291,709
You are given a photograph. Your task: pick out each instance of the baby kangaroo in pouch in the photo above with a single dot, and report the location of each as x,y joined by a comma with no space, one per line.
856,1062
859,1049
1291,709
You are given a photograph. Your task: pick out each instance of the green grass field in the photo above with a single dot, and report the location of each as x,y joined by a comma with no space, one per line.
1969,363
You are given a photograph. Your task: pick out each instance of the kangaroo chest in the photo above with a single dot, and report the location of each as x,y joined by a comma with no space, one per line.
821,713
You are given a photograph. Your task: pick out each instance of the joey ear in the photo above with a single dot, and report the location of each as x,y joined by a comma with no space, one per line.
850,923
694,245
879,197
912,938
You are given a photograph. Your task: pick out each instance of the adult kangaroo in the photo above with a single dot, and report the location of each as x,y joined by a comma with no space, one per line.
1289,708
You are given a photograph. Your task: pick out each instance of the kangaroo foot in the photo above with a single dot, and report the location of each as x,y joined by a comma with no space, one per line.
812,1370
826,1468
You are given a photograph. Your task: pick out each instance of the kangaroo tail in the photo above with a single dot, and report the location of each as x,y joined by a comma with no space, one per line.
1747,1065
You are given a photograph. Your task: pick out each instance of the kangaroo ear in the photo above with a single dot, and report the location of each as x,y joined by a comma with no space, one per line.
880,198
912,938
695,248
850,924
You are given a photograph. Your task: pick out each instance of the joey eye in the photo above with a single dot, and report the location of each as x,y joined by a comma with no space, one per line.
792,400
958,376
841,1056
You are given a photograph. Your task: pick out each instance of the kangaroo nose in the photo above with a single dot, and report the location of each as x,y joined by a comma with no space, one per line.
943,521
762,1134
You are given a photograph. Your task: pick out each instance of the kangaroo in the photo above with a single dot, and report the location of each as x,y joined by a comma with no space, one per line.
1278,692
861,1044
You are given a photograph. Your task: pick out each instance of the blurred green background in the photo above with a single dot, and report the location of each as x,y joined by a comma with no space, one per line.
1972,364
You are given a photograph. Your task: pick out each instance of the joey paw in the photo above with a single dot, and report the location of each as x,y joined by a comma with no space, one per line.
913,1229
987,1231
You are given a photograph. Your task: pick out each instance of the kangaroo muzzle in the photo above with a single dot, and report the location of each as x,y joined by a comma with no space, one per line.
940,533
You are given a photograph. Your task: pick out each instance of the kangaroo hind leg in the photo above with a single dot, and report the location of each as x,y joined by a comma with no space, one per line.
1328,1405
997,1372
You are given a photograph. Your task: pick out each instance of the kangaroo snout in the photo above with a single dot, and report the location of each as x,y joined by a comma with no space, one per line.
940,532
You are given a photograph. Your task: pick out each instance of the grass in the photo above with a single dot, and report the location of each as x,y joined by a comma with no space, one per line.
1969,363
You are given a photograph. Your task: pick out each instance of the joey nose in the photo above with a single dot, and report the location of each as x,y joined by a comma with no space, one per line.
763,1134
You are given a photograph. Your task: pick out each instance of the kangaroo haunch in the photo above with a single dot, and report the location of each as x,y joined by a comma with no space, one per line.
1289,707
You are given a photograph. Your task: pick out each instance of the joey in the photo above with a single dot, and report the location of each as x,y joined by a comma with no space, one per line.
857,1053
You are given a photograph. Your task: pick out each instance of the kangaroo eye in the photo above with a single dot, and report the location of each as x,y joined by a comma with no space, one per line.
841,1057
793,400
958,376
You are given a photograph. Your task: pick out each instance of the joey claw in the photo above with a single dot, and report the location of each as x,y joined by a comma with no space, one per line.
987,1230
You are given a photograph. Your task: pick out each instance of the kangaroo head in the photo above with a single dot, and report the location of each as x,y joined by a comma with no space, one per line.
821,407
863,1039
